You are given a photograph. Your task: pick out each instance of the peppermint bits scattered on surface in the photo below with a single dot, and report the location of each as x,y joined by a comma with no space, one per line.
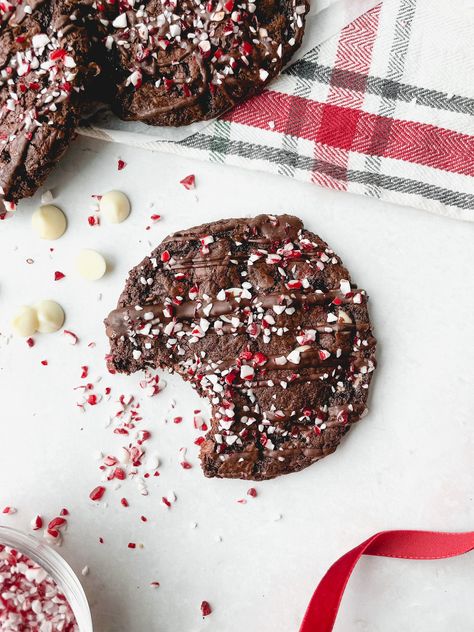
97,493
70,337
37,523
121,164
168,500
189,182
205,609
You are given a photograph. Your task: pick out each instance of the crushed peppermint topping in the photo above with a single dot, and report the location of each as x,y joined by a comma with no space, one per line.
333,348
229,36
36,79
30,598
206,609
189,182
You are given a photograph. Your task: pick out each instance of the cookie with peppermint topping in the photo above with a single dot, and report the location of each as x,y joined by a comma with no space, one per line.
44,65
175,62
261,317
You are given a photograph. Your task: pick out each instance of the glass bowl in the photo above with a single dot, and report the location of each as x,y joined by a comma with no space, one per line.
57,567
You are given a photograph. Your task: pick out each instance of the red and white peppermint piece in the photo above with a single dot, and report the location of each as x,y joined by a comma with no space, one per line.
71,337
345,286
37,523
189,182
97,493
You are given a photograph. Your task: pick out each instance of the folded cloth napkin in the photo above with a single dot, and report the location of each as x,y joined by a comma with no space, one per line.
385,109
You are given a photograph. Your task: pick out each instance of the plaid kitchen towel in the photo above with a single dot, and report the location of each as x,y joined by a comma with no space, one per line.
384,109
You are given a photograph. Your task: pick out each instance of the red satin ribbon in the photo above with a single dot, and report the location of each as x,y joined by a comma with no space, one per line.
411,545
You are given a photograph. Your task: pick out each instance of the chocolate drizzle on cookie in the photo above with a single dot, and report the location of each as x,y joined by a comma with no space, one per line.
261,317
43,59
177,61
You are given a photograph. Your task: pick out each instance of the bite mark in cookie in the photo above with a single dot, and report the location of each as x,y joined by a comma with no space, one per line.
261,317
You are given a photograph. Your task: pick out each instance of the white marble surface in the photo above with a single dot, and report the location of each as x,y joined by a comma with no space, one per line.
407,465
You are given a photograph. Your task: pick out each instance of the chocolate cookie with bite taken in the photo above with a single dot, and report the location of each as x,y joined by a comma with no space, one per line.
44,65
261,317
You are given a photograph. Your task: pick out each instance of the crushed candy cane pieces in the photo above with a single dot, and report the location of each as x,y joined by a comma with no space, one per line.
31,599
189,182
97,493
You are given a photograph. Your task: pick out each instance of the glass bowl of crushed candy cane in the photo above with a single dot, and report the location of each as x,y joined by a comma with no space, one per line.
39,591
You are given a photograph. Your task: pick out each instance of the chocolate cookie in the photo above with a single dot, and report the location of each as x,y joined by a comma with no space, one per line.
43,68
180,61
261,317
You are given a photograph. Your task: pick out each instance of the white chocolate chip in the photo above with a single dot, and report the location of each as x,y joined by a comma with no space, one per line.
25,322
115,205
91,265
50,316
49,222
